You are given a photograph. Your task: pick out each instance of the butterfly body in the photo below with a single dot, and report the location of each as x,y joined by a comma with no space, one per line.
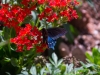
51,35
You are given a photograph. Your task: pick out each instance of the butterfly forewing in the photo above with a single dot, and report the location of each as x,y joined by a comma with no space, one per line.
55,33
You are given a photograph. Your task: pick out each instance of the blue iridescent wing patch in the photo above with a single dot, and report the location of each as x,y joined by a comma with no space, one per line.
51,42
53,35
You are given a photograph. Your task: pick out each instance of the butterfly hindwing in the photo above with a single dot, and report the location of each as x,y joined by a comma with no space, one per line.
51,42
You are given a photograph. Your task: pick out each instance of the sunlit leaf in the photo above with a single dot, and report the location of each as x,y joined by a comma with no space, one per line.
55,58
33,70
14,61
59,62
69,35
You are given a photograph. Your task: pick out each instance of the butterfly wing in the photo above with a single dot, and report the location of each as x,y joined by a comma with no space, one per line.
53,34
51,42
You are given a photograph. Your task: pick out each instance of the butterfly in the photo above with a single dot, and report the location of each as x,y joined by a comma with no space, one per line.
51,35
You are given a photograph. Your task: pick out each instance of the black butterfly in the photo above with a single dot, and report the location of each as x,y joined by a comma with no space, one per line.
51,35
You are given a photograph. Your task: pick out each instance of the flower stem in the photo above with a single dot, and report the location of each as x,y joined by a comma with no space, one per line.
29,60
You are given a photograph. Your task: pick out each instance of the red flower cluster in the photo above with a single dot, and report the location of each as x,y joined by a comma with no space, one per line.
61,3
48,14
41,47
53,10
69,14
58,3
41,1
27,38
59,8
12,16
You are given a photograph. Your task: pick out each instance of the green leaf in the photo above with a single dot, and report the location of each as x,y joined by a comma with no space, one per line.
42,71
7,59
57,71
51,62
96,56
73,30
3,43
1,38
95,52
89,65
41,9
34,16
69,33
13,32
6,33
24,73
1,32
8,73
63,68
83,65
59,62
89,57
14,61
32,23
33,70
55,58
69,67
5,1
27,19
93,72
49,66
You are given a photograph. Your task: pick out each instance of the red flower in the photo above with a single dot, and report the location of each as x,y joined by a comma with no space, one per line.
13,15
41,1
32,8
41,48
69,14
25,2
41,16
52,17
27,37
74,14
48,10
57,3
15,9
19,48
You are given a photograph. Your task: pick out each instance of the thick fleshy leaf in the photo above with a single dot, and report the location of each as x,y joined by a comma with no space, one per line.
55,58
59,62
14,61
33,70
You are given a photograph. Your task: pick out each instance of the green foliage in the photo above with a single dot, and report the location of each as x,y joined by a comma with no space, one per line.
71,31
89,69
95,57
8,55
92,67
55,67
